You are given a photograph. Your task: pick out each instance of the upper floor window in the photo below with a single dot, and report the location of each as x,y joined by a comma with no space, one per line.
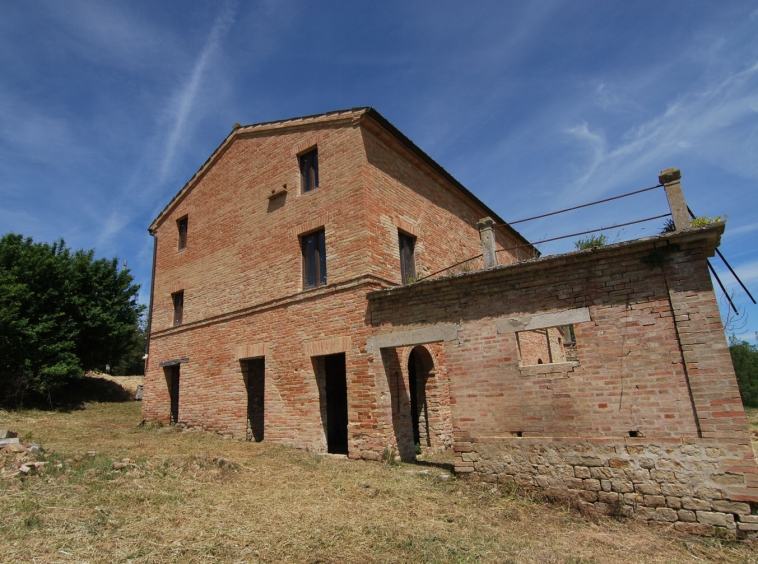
309,170
181,225
314,259
178,299
407,262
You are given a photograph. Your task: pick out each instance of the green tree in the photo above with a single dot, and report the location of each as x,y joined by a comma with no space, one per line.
745,360
61,313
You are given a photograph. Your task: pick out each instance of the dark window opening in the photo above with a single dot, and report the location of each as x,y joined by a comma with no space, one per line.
254,373
309,170
314,259
407,262
181,225
178,299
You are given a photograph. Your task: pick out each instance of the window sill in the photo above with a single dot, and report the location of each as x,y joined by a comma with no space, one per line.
552,368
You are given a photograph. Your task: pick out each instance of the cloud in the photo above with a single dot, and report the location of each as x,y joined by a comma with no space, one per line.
716,123
186,97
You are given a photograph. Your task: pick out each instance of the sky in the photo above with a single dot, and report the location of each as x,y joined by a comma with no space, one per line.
108,108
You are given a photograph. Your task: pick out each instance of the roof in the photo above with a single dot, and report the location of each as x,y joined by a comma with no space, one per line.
354,114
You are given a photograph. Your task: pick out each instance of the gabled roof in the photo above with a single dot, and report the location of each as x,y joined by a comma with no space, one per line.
339,116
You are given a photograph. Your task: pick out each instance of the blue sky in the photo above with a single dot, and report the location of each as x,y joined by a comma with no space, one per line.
108,108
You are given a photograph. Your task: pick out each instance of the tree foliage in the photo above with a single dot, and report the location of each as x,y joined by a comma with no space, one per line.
62,312
745,360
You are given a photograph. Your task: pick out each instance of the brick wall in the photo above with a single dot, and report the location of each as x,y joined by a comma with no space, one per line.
241,277
652,365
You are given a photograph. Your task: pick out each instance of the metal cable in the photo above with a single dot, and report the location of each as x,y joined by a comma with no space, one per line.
583,205
547,241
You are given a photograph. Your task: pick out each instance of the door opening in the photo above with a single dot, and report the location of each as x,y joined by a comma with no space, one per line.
419,365
173,391
336,403
254,373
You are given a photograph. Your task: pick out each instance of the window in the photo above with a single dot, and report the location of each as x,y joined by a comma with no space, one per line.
181,225
178,299
547,346
314,259
309,170
407,263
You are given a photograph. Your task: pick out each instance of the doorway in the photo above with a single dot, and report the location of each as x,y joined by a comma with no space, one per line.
254,373
173,391
336,403
419,366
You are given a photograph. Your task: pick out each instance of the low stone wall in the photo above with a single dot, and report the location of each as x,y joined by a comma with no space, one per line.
698,485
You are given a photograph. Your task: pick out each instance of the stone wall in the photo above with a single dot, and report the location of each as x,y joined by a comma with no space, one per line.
695,484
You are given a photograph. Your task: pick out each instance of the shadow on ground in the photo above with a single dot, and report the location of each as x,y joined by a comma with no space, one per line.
76,392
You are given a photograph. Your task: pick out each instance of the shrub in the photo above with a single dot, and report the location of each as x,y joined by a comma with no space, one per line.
591,241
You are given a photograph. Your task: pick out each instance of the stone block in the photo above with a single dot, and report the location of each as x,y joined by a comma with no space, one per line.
608,497
717,519
591,485
649,488
592,461
747,526
602,473
666,514
605,485
696,504
673,502
647,463
654,501
731,507
687,516
582,472
748,518
622,486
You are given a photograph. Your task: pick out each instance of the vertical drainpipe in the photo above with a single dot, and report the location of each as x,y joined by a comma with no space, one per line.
152,292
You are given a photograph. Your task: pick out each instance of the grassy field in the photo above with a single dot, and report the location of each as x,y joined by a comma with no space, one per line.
194,497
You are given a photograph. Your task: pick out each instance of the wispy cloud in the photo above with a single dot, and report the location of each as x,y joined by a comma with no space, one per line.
712,122
186,97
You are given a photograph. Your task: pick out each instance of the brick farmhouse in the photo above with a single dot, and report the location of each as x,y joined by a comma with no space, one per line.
286,307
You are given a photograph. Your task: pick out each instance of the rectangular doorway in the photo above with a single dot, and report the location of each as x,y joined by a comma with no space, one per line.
173,391
254,372
336,403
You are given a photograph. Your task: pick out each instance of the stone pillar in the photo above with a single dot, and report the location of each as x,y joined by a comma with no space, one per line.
487,236
670,178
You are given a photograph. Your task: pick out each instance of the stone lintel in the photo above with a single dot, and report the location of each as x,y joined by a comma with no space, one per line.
434,334
543,320
173,362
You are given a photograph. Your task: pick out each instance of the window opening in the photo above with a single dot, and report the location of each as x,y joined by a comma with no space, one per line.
547,346
178,299
181,225
309,170
314,259
407,262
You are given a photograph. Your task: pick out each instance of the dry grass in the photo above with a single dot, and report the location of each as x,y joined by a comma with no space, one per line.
193,497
